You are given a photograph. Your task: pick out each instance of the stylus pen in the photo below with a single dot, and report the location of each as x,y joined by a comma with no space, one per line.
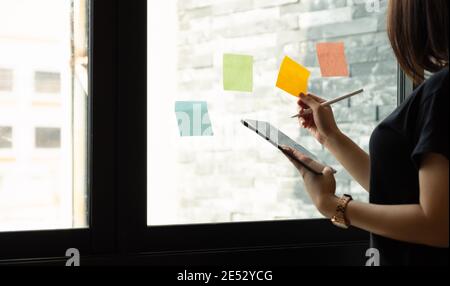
333,101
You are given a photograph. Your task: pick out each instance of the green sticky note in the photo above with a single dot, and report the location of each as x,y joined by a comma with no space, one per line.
193,118
237,73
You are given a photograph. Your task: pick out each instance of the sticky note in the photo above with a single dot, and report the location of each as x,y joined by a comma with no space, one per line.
237,73
332,60
293,77
193,118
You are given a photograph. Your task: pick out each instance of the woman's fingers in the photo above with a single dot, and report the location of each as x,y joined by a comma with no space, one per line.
318,99
291,156
289,152
302,170
307,102
296,157
302,105
310,101
328,171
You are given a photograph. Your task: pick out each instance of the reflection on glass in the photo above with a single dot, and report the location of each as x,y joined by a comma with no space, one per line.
235,175
43,55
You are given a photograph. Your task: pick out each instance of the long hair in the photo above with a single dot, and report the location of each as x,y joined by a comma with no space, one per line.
418,32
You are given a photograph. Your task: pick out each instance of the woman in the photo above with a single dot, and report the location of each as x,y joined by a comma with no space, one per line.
407,171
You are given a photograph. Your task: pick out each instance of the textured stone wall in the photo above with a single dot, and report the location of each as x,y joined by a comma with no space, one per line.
235,176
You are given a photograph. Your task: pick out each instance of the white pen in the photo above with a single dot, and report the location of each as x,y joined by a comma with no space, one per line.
330,102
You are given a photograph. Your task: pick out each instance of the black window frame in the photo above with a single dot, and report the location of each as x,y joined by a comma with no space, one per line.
134,234
117,180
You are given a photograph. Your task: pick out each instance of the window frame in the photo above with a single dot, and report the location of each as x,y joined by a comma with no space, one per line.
117,149
99,237
405,86
134,234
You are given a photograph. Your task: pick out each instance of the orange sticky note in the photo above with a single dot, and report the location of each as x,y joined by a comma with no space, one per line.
293,77
332,59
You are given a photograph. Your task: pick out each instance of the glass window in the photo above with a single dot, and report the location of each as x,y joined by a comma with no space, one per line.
48,138
6,80
47,82
5,137
229,174
43,43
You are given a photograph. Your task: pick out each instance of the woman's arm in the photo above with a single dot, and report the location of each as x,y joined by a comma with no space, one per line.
425,223
323,127
354,159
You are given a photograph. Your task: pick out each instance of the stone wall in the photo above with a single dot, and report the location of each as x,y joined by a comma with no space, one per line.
235,176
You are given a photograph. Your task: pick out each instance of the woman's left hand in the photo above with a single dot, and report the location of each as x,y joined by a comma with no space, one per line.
321,188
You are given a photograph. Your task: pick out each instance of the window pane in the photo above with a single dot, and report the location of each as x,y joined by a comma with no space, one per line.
5,137
48,138
43,114
200,50
47,82
6,80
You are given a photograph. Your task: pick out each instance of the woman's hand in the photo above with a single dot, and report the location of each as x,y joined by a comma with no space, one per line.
323,127
321,123
321,188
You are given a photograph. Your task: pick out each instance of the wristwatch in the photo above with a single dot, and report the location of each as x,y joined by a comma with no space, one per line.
339,218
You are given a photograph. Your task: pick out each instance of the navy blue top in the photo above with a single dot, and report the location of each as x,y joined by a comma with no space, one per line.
417,127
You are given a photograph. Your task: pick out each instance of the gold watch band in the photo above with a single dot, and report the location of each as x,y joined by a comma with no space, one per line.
339,219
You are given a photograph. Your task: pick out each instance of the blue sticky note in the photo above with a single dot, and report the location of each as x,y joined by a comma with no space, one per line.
193,118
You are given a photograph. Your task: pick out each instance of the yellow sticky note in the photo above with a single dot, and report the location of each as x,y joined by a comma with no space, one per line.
293,77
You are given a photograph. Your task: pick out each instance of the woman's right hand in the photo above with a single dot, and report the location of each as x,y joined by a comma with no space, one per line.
320,123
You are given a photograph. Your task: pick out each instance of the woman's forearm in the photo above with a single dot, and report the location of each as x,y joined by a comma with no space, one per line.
354,159
400,222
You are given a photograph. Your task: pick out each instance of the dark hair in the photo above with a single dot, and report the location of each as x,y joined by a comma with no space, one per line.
418,31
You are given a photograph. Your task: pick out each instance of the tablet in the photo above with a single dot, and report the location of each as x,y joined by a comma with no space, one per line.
278,139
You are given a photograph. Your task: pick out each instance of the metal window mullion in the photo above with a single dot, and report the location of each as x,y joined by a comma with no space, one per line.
405,86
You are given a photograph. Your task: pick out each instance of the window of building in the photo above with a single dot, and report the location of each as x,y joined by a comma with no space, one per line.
44,42
6,79
47,82
48,138
6,137
195,185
